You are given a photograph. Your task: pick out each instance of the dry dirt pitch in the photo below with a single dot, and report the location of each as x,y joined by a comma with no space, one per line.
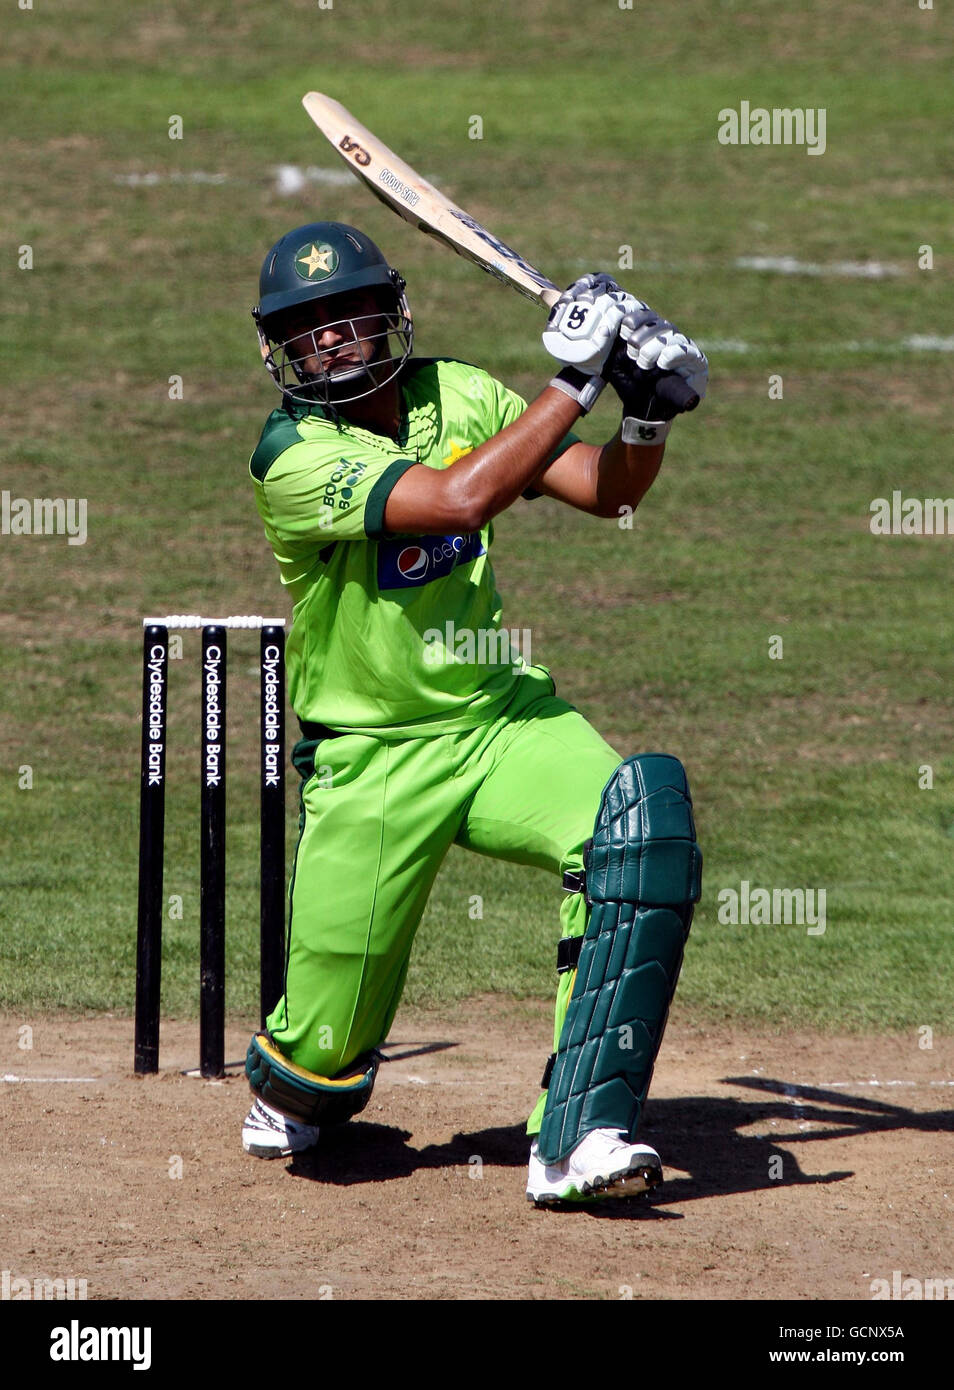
796,1166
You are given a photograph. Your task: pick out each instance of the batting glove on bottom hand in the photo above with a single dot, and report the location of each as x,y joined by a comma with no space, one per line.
581,331
647,349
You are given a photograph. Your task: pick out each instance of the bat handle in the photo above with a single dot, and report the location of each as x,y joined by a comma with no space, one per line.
674,389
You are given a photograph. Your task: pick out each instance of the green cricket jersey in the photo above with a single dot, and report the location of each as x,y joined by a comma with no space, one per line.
396,633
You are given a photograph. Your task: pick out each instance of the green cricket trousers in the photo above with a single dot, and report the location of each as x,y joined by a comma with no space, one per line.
378,816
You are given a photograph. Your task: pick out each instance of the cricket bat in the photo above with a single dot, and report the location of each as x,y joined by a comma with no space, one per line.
425,207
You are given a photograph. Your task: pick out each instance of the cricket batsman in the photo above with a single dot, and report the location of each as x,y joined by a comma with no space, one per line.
378,479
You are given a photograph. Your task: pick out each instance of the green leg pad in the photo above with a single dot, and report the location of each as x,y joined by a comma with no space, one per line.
303,1095
643,874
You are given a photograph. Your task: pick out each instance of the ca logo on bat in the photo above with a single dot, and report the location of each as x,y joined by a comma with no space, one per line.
352,148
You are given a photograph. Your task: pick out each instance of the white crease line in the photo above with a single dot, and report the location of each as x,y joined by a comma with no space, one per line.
916,343
927,342
291,178
790,1090
727,345
57,1080
774,265
151,179
790,265
834,1085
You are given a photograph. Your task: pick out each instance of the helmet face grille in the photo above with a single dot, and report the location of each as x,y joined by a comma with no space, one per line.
339,361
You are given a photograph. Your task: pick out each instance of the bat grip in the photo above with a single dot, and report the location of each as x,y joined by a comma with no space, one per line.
677,392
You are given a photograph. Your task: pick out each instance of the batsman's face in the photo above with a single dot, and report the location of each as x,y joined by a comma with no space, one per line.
335,336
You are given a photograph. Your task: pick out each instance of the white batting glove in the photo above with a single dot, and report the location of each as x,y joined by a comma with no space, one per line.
584,321
653,342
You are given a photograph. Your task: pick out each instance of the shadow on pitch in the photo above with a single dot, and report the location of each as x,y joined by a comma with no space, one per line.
706,1138
702,1137
413,1050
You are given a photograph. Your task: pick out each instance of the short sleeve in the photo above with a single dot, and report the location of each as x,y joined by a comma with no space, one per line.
313,493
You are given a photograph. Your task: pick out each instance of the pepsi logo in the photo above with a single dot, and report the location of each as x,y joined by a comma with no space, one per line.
412,562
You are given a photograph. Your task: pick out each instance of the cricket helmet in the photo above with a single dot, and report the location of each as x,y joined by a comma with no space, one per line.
316,263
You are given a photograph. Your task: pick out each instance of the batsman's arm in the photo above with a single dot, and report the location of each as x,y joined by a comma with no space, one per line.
477,487
602,480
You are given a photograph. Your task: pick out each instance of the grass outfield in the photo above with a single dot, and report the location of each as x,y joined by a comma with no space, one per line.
805,770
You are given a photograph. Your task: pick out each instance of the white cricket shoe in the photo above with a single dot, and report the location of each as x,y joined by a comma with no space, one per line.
604,1164
267,1133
